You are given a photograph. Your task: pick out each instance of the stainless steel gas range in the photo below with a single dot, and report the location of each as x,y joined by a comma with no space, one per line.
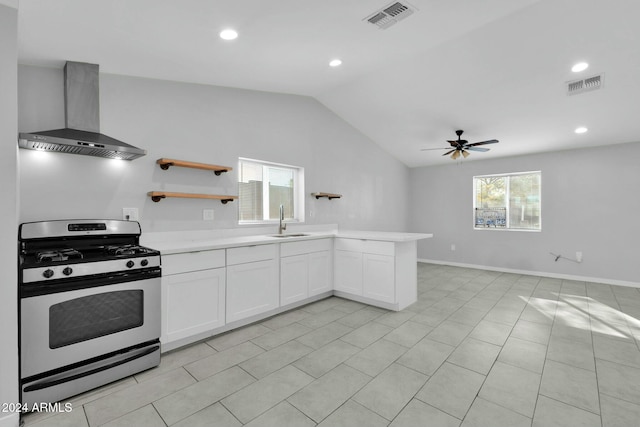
89,298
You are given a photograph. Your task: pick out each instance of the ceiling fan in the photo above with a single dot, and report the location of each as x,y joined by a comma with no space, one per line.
462,146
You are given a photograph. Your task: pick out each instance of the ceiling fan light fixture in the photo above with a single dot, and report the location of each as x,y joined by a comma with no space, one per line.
462,146
581,129
580,66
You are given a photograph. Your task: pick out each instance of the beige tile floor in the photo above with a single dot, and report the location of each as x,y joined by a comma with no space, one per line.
479,348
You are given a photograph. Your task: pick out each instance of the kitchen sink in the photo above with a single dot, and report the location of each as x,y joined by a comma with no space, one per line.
289,235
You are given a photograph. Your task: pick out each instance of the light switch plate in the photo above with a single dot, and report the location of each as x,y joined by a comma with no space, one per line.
207,214
130,214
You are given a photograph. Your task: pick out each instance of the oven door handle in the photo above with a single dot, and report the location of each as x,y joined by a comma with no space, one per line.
84,282
47,384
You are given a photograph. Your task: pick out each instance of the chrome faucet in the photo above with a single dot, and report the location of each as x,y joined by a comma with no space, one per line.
282,226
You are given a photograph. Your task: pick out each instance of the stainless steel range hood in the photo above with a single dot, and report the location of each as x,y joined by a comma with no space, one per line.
82,120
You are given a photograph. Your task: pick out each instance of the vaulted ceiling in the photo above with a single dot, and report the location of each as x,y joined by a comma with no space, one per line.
495,68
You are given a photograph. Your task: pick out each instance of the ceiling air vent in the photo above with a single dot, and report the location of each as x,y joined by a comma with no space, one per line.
584,85
390,14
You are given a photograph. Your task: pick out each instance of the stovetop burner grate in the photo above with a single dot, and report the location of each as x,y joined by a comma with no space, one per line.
127,250
58,255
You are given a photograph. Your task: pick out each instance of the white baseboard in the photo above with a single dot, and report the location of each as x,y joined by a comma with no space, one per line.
536,273
10,420
369,301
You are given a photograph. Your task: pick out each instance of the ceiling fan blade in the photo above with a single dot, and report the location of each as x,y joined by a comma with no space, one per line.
491,141
453,143
456,154
465,154
448,152
476,149
427,149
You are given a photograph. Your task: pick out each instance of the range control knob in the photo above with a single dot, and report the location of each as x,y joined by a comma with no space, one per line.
144,262
48,273
130,264
67,271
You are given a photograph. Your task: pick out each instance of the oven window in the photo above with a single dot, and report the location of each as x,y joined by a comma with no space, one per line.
93,316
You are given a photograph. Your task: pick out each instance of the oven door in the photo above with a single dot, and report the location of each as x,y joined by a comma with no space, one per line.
62,328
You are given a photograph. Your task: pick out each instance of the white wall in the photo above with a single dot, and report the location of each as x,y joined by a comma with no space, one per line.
590,203
205,124
8,212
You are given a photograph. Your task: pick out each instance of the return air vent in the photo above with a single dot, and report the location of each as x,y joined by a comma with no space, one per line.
390,14
584,85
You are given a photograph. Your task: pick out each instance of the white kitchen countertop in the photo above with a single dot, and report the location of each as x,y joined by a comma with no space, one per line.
386,236
172,246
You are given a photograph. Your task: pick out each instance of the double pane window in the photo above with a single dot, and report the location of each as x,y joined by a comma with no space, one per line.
264,186
509,201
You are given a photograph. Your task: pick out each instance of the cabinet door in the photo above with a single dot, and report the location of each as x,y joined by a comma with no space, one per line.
192,303
348,272
379,277
192,261
294,272
252,288
320,273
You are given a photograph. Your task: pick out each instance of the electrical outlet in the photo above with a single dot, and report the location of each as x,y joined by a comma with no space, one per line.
130,214
207,215
453,247
579,256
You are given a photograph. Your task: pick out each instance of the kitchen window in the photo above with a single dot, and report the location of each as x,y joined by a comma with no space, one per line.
264,186
507,201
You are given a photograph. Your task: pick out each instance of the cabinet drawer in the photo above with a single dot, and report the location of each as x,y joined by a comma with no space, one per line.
353,245
366,246
192,261
254,253
379,248
305,247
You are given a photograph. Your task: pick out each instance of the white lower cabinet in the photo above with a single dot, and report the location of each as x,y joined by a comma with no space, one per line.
320,273
304,276
376,272
193,294
305,270
294,273
207,290
379,277
193,303
253,286
348,273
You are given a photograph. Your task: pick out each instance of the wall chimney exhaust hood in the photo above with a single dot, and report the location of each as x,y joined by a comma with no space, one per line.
82,120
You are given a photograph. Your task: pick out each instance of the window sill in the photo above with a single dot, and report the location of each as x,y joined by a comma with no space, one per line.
269,222
507,229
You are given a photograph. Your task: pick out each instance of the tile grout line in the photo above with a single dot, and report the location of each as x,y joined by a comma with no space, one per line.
229,410
156,411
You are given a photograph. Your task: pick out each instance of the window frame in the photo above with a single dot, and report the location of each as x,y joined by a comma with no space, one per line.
507,198
298,191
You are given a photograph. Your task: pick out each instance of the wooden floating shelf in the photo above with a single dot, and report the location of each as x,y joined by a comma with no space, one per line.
327,195
165,163
156,196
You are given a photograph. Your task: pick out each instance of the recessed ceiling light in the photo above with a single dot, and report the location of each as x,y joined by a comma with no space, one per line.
581,129
335,63
580,66
228,34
